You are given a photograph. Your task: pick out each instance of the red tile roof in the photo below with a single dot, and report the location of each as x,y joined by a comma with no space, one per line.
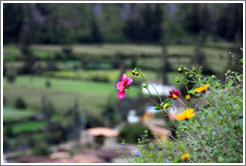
103,131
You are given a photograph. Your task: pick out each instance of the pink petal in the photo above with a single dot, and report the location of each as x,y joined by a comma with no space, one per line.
177,92
119,85
129,81
124,77
121,94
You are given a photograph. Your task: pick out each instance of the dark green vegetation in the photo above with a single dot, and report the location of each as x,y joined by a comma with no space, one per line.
131,133
121,23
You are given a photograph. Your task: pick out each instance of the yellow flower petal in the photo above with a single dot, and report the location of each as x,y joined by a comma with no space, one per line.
187,97
202,88
185,156
180,116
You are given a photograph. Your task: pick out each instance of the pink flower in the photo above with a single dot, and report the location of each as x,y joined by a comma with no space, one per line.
174,94
122,85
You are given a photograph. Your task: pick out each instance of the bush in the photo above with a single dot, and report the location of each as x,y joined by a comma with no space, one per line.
59,56
67,51
100,78
51,65
41,150
11,75
130,133
93,121
219,122
210,124
48,84
20,103
38,69
215,133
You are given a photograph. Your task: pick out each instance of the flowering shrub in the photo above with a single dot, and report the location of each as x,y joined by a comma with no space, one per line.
210,132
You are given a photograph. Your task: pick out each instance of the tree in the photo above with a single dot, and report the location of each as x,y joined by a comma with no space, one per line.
166,67
199,57
13,20
145,23
26,41
77,125
95,32
230,22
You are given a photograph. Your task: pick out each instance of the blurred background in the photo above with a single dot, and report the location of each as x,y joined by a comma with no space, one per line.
61,64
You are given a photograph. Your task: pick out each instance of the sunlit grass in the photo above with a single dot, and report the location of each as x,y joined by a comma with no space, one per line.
92,96
30,126
12,114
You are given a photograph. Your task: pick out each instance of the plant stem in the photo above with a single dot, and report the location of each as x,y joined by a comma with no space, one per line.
143,94
147,87
143,75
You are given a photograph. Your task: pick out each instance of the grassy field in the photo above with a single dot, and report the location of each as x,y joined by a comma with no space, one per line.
216,53
28,126
64,85
63,92
12,114
112,75
91,95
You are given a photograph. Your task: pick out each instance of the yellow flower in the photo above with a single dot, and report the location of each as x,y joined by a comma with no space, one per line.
185,156
180,116
187,114
187,97
202,88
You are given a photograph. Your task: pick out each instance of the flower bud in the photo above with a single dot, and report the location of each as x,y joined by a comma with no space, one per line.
135,72
177,79
167,105
180,69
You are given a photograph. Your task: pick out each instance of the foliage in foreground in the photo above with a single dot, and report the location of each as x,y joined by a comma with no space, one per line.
209,125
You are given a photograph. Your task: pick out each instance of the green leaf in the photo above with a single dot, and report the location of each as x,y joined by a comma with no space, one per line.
221,159
192,91
157,108
144,86
200,69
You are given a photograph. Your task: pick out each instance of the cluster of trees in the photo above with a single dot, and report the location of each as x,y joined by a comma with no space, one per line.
119,23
